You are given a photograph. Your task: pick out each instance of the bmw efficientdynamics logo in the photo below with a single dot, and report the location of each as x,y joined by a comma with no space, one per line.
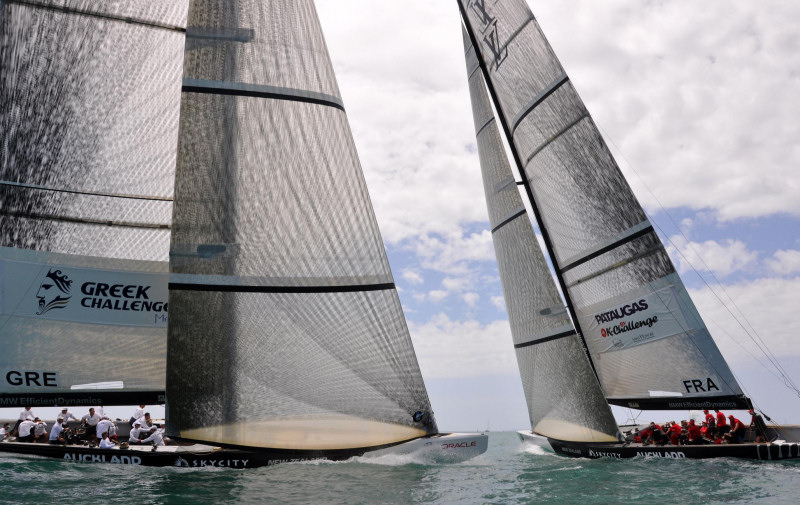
54,292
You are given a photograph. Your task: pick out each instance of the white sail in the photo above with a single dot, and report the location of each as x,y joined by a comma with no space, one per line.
286,330
648,344
548,349
89,101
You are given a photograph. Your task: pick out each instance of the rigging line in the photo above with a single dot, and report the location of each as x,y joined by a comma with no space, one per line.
762,346
91,193
111,17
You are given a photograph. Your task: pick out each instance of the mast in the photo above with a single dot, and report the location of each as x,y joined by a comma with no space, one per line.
525,183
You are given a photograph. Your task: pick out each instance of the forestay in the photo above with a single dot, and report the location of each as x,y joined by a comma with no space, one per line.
648,344
286,330
89,102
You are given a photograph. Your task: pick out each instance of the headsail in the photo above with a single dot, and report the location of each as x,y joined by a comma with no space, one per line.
286,330
89,101
649,347
549,354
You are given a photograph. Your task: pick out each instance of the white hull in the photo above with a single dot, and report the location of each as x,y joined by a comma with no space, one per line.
444,448
532,438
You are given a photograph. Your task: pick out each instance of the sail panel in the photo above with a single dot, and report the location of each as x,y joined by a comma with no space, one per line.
604,247
89,102
284,315
548,351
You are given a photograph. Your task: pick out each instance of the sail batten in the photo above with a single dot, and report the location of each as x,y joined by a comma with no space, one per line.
260,91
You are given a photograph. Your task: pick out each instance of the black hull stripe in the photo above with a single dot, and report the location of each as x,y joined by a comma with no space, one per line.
259,91
609,247
226,288
509,219
99,15
545,339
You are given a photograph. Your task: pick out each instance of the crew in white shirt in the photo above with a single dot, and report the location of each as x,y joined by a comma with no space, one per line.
25,415
106,426
105,443
90,421
156,437
145,421
26,431
55,432
40,430
66,415
137,414
136,431
5,432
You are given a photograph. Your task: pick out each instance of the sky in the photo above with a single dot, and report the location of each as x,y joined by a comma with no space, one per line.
698,102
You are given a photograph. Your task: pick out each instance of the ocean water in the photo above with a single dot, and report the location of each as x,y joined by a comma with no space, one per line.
510,472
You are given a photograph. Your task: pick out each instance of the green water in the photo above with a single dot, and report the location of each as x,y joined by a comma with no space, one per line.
509,473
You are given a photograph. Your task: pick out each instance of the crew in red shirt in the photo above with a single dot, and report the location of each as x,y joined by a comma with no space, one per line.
737,432
709,417
695,433
674,432
722,425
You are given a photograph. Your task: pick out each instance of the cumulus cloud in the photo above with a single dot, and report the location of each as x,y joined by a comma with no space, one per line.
413,277
784,262
437,295
471,299
722,258
450,349
767,304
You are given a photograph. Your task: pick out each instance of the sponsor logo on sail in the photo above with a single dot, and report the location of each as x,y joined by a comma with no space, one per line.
489,30
623,311
54,292
624,326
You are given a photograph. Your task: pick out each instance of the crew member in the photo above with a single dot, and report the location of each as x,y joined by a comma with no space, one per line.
156,437
137,414
105,443
57,431
89,421
66,415
25,415
737,432
25,432
722,424
39,431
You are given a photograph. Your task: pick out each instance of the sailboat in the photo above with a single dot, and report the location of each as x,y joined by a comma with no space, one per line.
241,278
626,332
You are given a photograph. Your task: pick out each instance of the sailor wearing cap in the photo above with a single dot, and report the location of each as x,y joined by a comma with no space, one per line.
156,437
56,431
66,415
136,432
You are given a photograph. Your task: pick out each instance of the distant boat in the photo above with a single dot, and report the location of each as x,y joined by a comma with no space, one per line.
629,334
286,338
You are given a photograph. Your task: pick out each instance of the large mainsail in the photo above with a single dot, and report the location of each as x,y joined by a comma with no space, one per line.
89,101
549,353
286,330
647,342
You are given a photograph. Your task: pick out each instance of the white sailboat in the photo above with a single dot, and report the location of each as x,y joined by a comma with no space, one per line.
285,338
627,332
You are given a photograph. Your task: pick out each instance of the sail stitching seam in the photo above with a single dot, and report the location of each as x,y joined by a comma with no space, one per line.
83,12
104,222
555,137
88,193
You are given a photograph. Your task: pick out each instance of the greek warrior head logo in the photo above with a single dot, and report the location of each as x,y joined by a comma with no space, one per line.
54,292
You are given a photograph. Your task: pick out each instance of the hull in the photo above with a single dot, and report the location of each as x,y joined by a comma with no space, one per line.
769,452
449,448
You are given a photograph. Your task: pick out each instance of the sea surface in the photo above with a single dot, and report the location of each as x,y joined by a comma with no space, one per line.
510,472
